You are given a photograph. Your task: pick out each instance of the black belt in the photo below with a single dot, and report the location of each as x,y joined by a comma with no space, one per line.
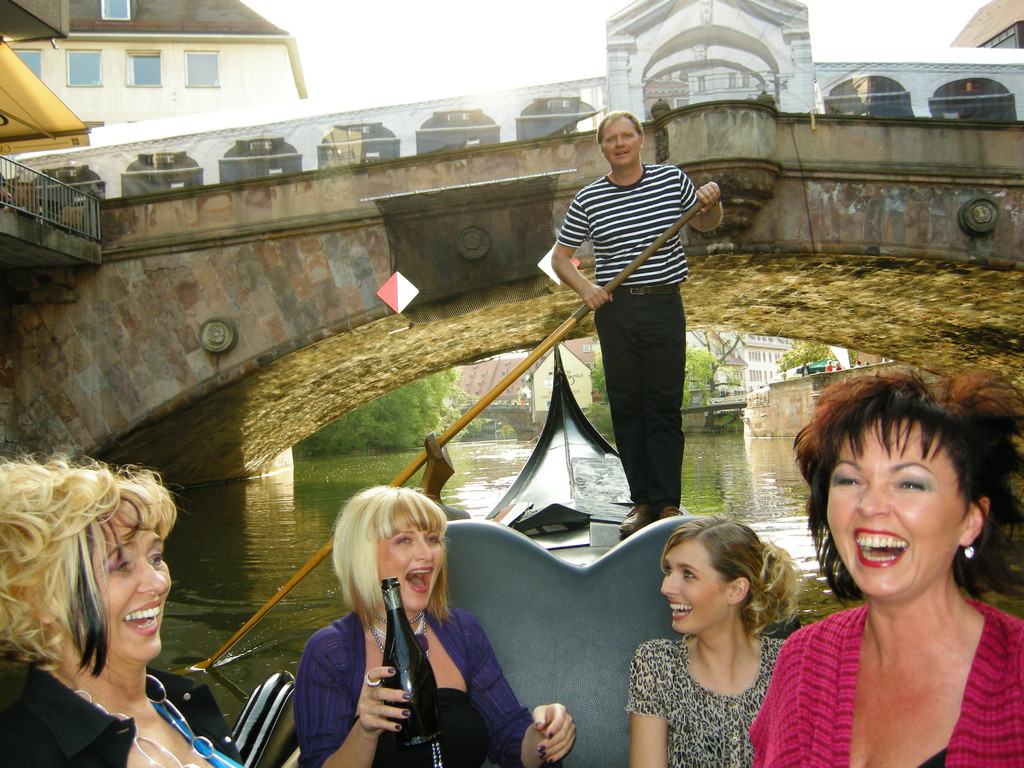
643,290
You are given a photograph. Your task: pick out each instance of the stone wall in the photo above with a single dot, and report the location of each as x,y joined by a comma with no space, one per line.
828,236
786,406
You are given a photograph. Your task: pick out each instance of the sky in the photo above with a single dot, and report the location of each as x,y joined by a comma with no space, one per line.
358,55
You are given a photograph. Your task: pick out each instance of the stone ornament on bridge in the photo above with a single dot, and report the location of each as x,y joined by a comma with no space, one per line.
979,216
473,242
218,335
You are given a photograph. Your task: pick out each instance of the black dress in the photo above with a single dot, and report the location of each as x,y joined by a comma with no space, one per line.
463,739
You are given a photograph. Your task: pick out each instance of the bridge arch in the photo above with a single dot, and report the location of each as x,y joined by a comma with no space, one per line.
828,237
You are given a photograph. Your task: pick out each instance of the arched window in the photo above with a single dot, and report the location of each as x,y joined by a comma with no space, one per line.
869,95
255,158
975,98
552,116
357,143
81,177
161,172
455,129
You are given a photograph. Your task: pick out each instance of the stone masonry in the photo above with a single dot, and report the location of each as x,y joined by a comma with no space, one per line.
898,237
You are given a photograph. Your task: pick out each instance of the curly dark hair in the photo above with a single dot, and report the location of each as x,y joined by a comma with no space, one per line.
975,418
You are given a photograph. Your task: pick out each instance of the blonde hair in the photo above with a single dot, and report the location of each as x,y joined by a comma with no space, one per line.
55,515
736,552
611,117
379,513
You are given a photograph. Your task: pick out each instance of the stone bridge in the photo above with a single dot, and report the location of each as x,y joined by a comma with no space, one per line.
900,237
519,417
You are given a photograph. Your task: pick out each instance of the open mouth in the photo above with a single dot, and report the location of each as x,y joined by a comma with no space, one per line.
880,549
144,619
419,580
680,610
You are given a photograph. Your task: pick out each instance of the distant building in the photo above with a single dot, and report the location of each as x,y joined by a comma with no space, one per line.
576,371
748,361
132,60
999,24
480,378
761,354
533,388
675,52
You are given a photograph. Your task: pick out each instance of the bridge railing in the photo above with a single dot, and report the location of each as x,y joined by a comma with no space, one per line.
43,197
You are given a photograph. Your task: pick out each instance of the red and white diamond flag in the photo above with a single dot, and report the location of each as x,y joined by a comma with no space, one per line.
397,292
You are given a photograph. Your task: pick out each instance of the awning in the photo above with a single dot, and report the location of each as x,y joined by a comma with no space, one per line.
32,118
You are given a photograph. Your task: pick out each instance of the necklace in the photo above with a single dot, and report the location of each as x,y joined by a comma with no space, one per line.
200,745
420,620
137,740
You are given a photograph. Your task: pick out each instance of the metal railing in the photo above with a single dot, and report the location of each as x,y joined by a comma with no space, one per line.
43,197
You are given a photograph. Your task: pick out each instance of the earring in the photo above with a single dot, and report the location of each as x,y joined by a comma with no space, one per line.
969,551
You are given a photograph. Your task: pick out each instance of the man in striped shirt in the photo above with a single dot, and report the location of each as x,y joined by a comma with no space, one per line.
643,331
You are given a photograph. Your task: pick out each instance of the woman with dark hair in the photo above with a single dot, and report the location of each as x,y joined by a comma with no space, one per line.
691,700
83,585
912,502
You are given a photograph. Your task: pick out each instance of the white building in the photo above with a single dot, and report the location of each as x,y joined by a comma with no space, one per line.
709,50
131,60
678,51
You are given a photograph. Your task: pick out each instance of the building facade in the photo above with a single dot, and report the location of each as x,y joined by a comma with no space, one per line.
130,60
674,51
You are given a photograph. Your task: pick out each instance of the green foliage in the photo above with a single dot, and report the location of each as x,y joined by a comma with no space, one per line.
597,381
700,370
804,352
396,421
600,415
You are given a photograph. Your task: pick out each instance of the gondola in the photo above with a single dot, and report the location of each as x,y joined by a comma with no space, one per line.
571,495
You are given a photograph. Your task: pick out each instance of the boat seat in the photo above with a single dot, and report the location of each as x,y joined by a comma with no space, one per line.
565,633
265,731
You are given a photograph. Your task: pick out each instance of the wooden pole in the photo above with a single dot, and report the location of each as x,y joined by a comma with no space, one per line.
402,477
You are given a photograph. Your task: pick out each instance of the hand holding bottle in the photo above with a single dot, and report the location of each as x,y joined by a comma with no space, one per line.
381,708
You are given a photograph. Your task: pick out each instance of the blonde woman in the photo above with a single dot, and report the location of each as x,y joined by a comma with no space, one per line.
83,585
692,700
345,717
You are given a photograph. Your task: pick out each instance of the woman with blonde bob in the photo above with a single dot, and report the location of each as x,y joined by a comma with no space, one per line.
345,717
83,585
692,700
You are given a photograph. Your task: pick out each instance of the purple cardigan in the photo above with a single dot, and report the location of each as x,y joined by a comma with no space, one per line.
806,720
330,678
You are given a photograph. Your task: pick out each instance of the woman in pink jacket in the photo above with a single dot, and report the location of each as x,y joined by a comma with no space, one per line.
912,495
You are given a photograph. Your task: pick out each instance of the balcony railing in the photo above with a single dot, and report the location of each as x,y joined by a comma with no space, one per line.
43,197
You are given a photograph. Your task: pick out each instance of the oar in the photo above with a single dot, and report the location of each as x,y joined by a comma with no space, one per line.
402,477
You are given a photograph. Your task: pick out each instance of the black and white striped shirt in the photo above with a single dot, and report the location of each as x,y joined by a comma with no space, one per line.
622,221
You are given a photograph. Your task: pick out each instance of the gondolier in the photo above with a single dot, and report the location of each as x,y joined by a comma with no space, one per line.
643,331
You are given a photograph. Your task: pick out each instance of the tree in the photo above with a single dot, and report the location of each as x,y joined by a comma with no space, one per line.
395,421
720,346
700,373
804,352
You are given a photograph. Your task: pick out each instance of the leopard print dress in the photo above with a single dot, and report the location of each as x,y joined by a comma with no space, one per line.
705,729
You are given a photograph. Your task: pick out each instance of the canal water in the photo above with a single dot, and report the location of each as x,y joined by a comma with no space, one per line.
236,544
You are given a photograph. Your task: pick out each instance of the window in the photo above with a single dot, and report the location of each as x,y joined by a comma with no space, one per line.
202,70
143,69
33,60
84,68
116,10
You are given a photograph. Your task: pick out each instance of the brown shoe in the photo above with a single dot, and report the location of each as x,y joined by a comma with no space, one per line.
637,518
667,512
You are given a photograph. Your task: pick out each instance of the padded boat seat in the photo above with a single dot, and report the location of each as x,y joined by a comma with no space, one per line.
561,632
